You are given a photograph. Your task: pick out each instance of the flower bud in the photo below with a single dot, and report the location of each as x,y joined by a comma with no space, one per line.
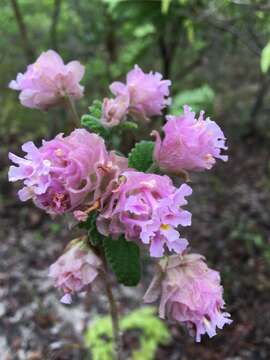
115,110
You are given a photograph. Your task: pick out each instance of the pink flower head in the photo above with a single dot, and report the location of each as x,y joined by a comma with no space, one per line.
189,144
147,93
75,270
46,82
146,207
63,172
190,293
115,165
115,110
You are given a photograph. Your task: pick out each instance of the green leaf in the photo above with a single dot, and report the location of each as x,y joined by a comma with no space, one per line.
90,225
124,257
165,4
92,120
128,125
144,30
141,156
96,109
265,58
189,26
94,125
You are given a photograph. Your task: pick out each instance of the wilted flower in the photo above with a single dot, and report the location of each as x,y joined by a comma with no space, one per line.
190,293
46,82
146,207
75,270
189,144
115,110
147,93
63,172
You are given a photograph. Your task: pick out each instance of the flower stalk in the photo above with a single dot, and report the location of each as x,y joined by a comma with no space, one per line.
115,322
70,105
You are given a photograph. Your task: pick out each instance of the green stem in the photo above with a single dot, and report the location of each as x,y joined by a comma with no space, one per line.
153,168
71,106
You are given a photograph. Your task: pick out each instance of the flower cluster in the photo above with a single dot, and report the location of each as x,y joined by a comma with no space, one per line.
77,174
143,96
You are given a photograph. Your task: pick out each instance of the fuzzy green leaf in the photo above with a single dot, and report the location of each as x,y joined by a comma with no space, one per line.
128,125
124,258
94,125
92,120
96,109
90,225
141,156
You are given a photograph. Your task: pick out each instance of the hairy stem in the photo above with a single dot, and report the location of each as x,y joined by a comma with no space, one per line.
114,314
153,168
115,322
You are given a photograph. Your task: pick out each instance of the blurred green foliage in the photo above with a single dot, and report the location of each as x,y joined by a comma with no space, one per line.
201,98
254,241
205,47
265,58
150,329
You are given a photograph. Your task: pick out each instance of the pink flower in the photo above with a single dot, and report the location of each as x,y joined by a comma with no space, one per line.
46,82
115,165
189,144
75,270
146,207
147,93
63,172
115,110
190,293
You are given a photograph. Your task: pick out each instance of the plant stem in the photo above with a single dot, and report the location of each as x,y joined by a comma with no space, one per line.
71,106
113,312
153,168
115,322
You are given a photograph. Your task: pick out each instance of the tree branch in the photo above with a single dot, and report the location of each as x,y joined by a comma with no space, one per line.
259,100
197,62
28,50
54,24
165,56
226,27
